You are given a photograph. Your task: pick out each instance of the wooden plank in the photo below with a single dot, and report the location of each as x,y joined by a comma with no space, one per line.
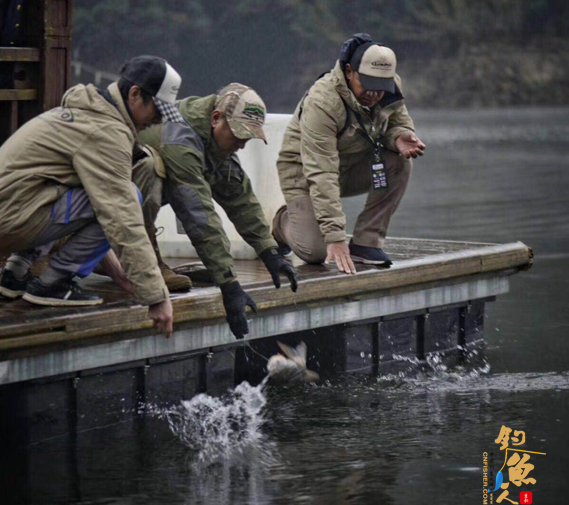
33,340
12,54
68,356
206,304
9,95
63,340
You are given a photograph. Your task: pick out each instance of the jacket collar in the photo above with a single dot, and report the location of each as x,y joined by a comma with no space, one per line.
341,86
115,93
213,152
197,112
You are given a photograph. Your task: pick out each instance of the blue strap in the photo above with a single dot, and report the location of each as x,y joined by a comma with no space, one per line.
68,210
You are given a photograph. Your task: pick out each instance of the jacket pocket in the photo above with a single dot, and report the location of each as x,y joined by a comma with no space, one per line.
229,180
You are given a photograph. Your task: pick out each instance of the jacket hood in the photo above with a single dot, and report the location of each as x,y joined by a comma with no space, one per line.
89,98
339,81
197,111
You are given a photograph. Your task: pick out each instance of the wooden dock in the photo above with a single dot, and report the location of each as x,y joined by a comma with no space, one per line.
37,342
65,371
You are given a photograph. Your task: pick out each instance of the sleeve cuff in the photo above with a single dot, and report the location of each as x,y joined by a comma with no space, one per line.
335,236
224,277
392,135
154,298
264,245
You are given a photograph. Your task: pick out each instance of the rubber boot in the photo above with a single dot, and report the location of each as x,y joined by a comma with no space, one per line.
174,281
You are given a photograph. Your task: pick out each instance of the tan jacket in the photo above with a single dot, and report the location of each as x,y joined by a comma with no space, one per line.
87,142
321,144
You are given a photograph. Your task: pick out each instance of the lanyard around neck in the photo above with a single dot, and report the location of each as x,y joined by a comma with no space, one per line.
364,133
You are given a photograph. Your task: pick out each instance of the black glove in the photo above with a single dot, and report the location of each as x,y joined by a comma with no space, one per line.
235,301
276,264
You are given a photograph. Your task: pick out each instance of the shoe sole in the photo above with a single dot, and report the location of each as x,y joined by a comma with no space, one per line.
178,287
57,302
358,259
9,293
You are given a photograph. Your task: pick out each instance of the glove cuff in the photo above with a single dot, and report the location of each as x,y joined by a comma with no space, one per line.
269,254
230,288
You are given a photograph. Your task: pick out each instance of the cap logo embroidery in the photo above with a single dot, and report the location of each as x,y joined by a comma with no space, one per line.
253,111
381,64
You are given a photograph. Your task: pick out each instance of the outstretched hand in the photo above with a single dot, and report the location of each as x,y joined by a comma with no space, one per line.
339,253
110,265
276,264
236,302
163,316
409,145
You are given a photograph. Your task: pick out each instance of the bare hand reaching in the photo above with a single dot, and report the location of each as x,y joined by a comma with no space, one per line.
112,267
409,145
163,317
339,252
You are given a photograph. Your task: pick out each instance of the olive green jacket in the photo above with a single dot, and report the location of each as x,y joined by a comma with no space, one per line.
196,175
88,142
321,143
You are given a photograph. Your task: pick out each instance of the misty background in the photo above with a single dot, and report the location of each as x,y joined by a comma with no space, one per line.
452,53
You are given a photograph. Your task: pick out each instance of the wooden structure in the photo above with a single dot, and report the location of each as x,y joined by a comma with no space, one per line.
35,59
59,365
27,330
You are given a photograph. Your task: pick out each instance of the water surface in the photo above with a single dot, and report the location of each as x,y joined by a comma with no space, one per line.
488,176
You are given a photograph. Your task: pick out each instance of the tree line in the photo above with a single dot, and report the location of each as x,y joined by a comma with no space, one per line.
280,46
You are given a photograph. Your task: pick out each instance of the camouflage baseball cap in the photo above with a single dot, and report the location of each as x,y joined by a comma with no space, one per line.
244,109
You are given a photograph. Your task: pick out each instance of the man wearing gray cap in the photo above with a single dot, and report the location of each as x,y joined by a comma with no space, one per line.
350,134
67,173
197,163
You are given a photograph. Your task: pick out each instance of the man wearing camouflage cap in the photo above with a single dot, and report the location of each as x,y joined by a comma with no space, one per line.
197,164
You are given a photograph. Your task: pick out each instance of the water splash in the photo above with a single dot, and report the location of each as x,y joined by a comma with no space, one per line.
220,429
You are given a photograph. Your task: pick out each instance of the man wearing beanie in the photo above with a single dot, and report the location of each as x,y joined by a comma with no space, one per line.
350,134
197,163
67,173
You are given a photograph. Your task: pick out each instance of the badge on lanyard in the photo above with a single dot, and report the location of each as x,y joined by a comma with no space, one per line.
378,173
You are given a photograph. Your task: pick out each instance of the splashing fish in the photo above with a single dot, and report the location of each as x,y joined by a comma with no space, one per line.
292,366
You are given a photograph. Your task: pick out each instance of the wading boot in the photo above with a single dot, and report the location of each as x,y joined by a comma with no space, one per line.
174,281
